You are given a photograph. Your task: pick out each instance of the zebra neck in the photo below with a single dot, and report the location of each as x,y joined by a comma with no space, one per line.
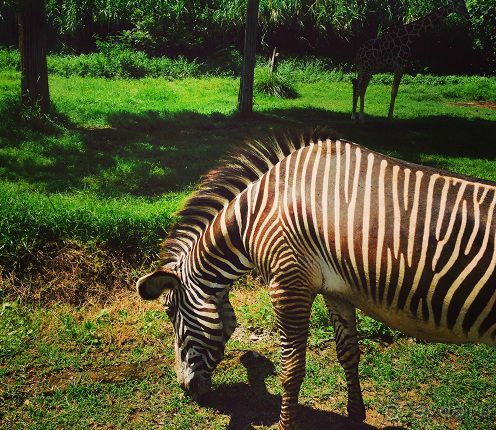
218,256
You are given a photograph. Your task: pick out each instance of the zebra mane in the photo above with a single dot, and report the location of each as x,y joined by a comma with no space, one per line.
242,166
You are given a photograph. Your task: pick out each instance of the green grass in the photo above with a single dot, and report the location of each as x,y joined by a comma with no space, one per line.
87,193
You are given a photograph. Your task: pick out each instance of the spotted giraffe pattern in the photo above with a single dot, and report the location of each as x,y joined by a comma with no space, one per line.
391,52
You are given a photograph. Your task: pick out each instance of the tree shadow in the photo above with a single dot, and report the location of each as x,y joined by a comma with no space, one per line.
151,153
252,404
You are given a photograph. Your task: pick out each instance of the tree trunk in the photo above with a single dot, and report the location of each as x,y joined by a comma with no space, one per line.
245,98
33,47
273,61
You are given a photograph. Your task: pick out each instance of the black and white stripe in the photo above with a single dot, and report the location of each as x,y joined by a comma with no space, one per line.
412,246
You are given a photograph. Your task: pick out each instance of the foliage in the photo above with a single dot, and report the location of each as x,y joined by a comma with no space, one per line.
10,59
325,27
483,25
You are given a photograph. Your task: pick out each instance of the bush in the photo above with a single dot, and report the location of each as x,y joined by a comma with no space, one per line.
482,28
115,61
10,59
274,84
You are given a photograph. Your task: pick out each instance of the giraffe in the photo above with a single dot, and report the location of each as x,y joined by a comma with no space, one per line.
392,52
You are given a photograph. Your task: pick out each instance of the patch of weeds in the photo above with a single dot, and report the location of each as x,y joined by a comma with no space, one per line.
321,330
274,84
81,332
17,328
258,313
153,322
369,328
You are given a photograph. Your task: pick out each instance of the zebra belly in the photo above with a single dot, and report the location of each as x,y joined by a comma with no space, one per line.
333,286
410,324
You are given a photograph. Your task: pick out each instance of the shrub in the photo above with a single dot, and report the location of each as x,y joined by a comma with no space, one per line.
9,59
274,84
116,61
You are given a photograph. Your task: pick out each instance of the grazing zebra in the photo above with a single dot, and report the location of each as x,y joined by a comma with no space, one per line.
412,246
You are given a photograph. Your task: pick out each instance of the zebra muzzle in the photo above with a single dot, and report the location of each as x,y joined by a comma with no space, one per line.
198,386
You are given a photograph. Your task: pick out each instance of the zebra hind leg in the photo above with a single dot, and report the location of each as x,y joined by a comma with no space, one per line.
343,319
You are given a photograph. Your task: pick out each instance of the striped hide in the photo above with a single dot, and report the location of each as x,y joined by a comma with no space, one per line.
411,246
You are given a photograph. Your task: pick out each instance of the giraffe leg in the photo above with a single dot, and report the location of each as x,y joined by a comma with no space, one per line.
355,97
362,88
343,319
292,308
394,91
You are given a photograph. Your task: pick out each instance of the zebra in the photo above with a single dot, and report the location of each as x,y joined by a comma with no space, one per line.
411,246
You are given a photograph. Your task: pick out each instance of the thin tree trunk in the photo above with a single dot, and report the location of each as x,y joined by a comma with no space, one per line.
245,98
33,49
273,61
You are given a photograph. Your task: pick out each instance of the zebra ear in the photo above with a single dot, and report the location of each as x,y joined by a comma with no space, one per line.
151,286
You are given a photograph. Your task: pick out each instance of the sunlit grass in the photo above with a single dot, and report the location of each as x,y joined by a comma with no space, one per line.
78,367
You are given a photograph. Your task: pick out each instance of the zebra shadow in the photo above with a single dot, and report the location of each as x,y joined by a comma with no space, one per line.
251,404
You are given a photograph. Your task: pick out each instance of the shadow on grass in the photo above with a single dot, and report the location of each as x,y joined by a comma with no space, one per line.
251,404
152,153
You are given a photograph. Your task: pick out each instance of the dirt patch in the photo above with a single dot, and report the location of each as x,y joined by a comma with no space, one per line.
476,104
60,381
72,273
125,371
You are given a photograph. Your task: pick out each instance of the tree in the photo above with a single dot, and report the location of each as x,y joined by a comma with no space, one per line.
245,98
33,46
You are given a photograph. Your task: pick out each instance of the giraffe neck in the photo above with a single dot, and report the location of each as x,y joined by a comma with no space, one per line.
428,22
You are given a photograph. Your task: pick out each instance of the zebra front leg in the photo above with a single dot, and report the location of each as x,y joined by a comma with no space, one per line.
343,319
292,309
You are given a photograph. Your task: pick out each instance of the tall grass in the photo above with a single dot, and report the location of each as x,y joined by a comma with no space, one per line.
30,219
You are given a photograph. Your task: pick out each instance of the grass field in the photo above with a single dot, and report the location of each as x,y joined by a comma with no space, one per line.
85,197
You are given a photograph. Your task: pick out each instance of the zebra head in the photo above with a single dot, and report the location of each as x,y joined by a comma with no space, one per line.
202,326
